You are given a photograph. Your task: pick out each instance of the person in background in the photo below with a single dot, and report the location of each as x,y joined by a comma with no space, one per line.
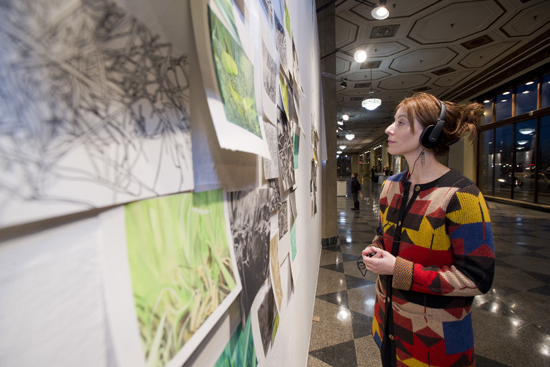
434,248
355,191
373,171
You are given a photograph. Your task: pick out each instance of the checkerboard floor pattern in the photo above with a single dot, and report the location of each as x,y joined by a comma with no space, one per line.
511,321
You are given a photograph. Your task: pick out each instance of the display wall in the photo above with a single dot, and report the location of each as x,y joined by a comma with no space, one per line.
159,182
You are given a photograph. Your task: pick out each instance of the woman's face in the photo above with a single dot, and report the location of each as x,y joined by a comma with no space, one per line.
401,139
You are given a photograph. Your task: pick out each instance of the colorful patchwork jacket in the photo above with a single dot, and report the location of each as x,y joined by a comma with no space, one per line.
443,243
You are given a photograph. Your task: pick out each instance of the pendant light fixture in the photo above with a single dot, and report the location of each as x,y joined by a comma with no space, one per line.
371,103
360,56
350,136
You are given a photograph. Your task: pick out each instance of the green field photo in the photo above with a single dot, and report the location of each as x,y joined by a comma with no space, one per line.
180,267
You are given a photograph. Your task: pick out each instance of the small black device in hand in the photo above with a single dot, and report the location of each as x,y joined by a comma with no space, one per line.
361,265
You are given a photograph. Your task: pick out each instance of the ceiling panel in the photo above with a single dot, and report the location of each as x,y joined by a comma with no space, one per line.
450,48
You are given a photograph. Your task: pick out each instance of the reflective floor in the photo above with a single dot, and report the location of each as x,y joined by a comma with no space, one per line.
511,322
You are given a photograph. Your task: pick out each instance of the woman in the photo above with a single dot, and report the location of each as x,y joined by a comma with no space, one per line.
434,248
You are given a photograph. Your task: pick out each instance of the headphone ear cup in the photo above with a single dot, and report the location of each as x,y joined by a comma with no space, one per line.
425,138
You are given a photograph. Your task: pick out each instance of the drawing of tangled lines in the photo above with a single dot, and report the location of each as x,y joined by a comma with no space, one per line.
93,110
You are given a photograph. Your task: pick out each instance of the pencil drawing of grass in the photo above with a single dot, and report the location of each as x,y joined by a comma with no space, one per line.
180,267
235,74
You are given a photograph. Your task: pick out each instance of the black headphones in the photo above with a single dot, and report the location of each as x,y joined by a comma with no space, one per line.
432,134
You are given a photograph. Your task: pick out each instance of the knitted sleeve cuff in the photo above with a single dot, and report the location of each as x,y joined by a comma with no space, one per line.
403,274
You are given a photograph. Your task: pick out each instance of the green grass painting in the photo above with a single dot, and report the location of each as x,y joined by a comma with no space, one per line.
239,351
284,91
235,74
275,327
226,9
287,21
180,267
293,247
296,149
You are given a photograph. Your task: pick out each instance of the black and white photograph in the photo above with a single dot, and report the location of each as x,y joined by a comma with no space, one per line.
291,217
271,166
281,42
270,74
266,316
268,9
270,71
292,112
313,187
275,198
283,219
81,131
286,151
292,201
249,218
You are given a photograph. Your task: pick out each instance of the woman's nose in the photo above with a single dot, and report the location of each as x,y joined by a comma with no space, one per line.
389,129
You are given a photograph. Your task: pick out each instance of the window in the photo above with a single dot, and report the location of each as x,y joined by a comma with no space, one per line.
526,97
343,163
524,172
546,91
544,159
486,164
488,114
504,149
503,106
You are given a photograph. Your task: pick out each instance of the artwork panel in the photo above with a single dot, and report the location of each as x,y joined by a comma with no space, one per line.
266,316
275,272
275,198
275,327
283,219
293,242
268,9
271,166
287,277
292,202
235,75
292,112
270,71
170,275
284,93
296,69
289,39
250,221
240,350
281,43
296,146
227,69
80,133
286,152
288,26
41,283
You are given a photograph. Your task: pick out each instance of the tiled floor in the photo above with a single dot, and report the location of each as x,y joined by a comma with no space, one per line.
511,322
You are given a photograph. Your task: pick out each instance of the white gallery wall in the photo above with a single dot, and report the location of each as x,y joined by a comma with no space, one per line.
66,167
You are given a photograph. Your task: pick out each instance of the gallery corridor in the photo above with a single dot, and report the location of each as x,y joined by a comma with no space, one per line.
511,322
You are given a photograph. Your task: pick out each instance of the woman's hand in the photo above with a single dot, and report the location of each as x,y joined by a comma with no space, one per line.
382,262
